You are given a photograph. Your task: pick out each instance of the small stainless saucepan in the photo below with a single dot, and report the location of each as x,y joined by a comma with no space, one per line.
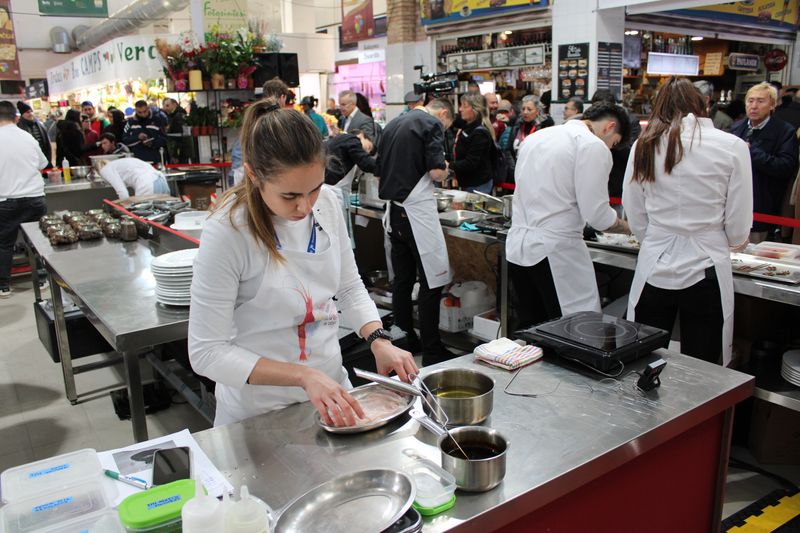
465,396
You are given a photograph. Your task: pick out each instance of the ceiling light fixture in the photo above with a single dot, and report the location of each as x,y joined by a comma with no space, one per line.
697,38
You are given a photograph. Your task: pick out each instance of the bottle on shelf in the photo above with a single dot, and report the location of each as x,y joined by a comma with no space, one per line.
65,169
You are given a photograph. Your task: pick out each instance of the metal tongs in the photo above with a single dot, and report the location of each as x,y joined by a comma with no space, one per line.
439,425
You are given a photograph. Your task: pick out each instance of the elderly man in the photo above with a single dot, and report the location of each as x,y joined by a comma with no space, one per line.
145,133
21,187
413,101
721,120
773,154
97,124
573,108
352,118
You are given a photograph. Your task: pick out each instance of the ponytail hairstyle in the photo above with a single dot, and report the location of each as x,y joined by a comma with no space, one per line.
676,99
478,104
273,140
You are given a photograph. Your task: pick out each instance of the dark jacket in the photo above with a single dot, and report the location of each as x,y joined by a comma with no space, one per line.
788,111
38,132
154,126
69,139
347,152
472,161
177,120
773,154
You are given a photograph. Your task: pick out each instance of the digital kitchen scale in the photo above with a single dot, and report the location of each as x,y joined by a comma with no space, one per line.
598,340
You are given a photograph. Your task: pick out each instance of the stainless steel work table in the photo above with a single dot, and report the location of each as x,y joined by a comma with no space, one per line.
583,444
78,195
111,283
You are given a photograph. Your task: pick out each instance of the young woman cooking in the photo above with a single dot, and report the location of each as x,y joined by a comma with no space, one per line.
263,322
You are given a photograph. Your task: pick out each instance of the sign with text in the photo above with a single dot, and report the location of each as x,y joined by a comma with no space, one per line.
9,61
124,58
765,13
609,68
358,22
672,64
444,11
743,62
74,8
37,89
573,71
227,16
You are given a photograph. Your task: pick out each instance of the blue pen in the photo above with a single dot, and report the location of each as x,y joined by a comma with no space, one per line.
128,480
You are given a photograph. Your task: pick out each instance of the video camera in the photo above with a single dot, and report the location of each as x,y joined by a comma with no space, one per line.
435,84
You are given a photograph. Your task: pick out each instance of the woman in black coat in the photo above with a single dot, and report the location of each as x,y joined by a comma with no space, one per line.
473,150
69,139
117,123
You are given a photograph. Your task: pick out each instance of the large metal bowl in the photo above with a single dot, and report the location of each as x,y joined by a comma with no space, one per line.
443,201
460,411
80,172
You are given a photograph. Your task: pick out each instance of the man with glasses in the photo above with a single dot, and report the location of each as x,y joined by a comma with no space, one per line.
98,124
562,184
773,155
573,108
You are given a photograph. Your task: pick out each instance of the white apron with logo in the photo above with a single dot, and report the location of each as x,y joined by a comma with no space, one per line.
420,206
292,319
712,242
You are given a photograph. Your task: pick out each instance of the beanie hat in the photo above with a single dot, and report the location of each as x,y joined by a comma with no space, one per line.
23,107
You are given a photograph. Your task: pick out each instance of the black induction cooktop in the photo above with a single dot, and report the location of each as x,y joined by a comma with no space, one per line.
598,340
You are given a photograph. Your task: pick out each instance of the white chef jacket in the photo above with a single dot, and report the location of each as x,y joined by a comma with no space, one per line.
561,184
709,189
228,272
21,159
130,172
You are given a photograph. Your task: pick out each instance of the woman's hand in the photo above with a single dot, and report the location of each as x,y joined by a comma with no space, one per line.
335,405
389,357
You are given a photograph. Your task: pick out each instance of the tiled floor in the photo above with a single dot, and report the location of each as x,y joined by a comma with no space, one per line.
37,421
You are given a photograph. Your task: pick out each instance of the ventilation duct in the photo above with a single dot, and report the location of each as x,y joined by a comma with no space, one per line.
59,37
130,18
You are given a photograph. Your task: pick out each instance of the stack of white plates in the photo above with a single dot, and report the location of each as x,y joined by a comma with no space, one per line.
790,370
173,273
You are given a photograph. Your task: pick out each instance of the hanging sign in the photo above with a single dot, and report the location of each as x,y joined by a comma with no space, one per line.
358,22
743,62
609,68
131,57
224,16
9,62
36,89
74,8
775,60
443,11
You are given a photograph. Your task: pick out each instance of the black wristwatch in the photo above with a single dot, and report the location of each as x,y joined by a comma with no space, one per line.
379,333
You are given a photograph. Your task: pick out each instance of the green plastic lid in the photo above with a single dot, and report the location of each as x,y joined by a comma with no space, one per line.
430,511
157,505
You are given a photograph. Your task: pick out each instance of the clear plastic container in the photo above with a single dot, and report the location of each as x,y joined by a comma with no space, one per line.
435,486
51,474
54,508
103,522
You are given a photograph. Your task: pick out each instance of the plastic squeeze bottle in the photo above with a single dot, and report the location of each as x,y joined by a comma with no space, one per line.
66,171
203,513
248,515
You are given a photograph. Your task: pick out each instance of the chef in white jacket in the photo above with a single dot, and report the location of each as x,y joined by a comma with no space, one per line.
688,194
136,174
562,184
263,322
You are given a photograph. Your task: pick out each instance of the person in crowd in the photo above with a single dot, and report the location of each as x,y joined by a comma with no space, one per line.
773,154
544,120
473,150
21,187
573,108
507,114
69,139
561,184
145,133
109,145
50,124
136,174
473,87
621,152
273,267
788,110
309,103
526,124
278,91
688,196
492,104
410,159
348,151
720,119
116,123
413,101
91,140
96,123
354,118
177,148
333,109
362,103
736,110
28,122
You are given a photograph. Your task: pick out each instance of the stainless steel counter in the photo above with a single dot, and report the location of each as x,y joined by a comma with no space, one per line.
111,282
78,195
75,185
577,430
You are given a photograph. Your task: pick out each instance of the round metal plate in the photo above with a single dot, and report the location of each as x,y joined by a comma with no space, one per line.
359,393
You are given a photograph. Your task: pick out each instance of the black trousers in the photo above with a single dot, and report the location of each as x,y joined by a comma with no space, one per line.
407,265
14,212
533,294
700,310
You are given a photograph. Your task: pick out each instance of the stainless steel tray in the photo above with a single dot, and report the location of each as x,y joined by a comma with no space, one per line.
459,216
755,267
358,393
368,500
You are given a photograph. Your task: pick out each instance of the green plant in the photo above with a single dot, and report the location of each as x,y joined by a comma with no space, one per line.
201,116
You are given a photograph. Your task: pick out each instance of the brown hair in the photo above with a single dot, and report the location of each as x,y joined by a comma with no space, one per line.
478,104
275,88
676,99
273,139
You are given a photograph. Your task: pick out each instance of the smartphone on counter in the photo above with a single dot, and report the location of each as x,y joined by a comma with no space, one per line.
172,464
